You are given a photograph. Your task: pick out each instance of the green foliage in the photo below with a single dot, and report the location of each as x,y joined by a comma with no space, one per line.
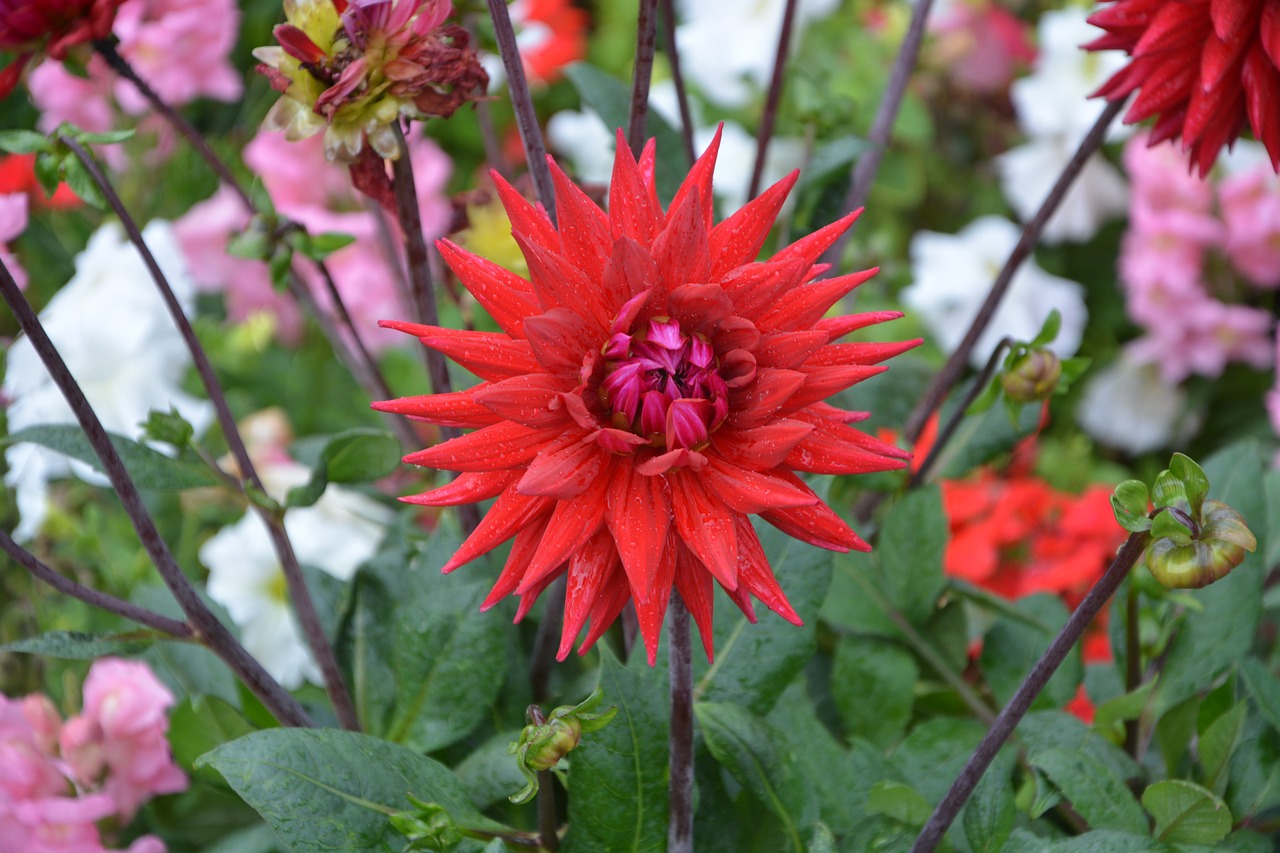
355,456
148,468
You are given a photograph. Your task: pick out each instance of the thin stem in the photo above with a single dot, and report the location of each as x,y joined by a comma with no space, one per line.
484,118
1030,688
774,97
92,597
677,78
1132,667
951,371
415,246
544,642
680,787
548,826
864,170
212,632
949,429
304,606
646,43
535,151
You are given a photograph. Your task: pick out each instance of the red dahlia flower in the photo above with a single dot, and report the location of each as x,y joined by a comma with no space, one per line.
1204,67
28,27
652,387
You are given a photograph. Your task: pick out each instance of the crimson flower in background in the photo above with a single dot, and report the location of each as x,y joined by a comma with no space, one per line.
653,386
1203,68
28,27
553,34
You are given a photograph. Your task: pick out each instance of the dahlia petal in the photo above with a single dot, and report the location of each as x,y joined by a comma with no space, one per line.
1261,81
559,284
455,409
818,524
821,453
699,178
753,406
630,271
754,287
762,447
672,459
511,513
523,548
529,597
789,349
682,249
532,399
490,355
528,220
748,491
697,589
1269,32
506,296
638,515
1165,87
738,239
564,468
871,353
651,612
466,488
734,332
632,212
811,246
648,166
559,338
583,226
1228,16
298,44
756,576
805,304
606,608
1218,59
1175,27
705,524
698,307
572,523
835,431
823,381
589,569
491,448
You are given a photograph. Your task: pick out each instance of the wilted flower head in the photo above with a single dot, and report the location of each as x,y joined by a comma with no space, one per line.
1203,68
28,27
652,387
352,69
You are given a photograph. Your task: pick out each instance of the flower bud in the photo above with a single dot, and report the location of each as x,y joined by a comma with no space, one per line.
1197,558
428,827
1033,376
547,744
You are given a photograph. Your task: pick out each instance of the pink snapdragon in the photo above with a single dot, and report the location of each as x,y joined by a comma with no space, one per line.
1201,336
13,221
1250,203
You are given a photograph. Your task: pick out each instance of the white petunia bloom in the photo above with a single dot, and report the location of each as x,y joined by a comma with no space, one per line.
115,334
338,533
729,55
1055,111
954,272
1126,405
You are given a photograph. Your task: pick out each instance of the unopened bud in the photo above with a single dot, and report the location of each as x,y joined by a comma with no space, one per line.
1193,558
1033,376
549,743
428,827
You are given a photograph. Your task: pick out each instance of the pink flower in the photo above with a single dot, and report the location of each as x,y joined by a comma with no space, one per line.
1251,209
13,221
26,769
1172,200
181,48
121,732
983,44
1203,336
55,824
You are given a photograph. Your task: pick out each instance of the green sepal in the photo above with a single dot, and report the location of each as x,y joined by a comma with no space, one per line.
1129,502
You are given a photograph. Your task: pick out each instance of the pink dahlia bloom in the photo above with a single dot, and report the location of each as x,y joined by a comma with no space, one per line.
653,386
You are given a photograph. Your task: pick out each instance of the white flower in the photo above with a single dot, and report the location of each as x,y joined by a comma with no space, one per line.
338,533
729,54
1028,172
113,330
954,272
1126,405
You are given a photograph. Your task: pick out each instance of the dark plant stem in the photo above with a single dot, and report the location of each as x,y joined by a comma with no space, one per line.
535,151
680,787
304,606
544,642
420,282
864,170
773,98
206,626
646,44
484,118
1030,688
548,825
92,597
1132,667
951,371
949,429
677,77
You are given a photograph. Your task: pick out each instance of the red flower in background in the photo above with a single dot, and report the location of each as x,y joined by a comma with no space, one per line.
553,34
653,386
17,175
1203,67
28,27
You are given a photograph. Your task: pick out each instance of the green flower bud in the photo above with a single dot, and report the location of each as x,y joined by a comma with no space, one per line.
545,745
1032,376
544,742
428,827
1195,553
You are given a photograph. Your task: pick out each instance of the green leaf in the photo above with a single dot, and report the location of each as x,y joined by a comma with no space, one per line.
984,401
1128,706
318,247
425,663
1169,491
911,546
1105,841
755,663
610,98
934,752
489,773
149,468
873,683
1217,742
899,802
77,176
1194,481
1271,486
325,789
74,645
1095,792
359,455
1011,648
48,171
618,775
199,725
1049,331
980,439
1185,813
1129,502
990,811
1042,731
747,747
110,137
1264,687
24,142
168,427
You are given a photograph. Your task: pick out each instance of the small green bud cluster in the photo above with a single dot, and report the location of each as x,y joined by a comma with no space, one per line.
545,741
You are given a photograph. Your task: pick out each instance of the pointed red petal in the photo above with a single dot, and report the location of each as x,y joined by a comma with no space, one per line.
762,447
817,524
789,349
747,491
630,271
572,523
510,513
650,613
754,287
583,226
699,307
560,284
738,239
638,516
605,609
810,247
528,221
522,551
699,178
821,382
589,570
489,355
682,250
565,467
532,400
506,296
755,574
503,445
632,211
804,305
466,489
705,525
697,589
756,404
838,327
846,354
560,339
456,409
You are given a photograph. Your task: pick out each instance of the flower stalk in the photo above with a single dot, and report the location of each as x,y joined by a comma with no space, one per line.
646,44
773,98
680,787
677,78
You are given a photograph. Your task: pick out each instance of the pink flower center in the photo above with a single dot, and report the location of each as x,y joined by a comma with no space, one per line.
664,385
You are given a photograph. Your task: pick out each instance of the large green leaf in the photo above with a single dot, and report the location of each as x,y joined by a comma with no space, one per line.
149,468
748,748
1186,813
1099,796
359,455
424,662
1011,647
910,549
75,645
873,683
934,752
1264,687
618,775
989,814
1041,731
755,663
326,790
